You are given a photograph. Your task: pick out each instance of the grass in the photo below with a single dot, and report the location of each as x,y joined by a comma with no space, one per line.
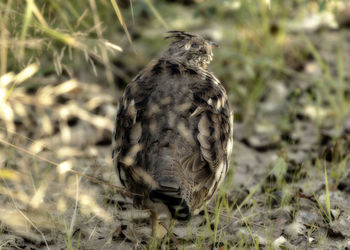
328,201
62,63
328,84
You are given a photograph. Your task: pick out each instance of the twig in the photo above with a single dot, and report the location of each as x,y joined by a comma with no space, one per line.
308,197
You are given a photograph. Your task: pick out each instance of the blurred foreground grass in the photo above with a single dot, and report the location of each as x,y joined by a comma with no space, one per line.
64,63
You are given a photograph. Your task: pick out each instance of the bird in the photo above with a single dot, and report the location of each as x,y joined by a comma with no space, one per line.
173,135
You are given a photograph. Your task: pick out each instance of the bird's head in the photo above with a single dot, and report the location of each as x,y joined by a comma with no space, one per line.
190,49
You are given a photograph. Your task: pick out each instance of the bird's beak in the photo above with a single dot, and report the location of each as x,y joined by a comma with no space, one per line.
213,44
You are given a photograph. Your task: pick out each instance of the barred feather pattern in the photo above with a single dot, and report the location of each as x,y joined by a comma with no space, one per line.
173,136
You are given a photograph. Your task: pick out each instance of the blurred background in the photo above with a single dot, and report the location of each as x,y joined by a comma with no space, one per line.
64,64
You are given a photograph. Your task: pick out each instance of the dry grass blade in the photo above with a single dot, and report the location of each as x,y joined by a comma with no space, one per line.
38,15
9,174
69,40
105,57
21,77
121,20
74,216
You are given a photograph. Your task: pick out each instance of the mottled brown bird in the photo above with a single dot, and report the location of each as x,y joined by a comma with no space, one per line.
173,132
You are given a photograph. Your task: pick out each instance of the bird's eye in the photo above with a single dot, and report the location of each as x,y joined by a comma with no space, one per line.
194,45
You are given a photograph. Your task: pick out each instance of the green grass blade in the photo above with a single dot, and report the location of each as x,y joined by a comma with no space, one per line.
328,201
26,22
157,14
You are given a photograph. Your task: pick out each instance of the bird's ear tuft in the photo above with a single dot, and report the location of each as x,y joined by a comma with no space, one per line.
179,35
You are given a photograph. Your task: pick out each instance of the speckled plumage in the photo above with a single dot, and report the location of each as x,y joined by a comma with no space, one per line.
173,133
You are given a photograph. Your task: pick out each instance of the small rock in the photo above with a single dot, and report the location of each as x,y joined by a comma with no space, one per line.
279,241
295,230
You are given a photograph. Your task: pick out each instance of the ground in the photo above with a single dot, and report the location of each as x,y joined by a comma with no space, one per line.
288,187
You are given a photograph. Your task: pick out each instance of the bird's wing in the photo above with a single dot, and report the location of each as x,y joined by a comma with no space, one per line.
215,120
213,132
126,146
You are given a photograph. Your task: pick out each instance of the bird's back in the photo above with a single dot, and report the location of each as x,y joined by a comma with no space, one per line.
173,136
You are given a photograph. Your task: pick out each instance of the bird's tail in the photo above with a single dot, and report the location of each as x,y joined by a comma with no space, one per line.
173,199
170,189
